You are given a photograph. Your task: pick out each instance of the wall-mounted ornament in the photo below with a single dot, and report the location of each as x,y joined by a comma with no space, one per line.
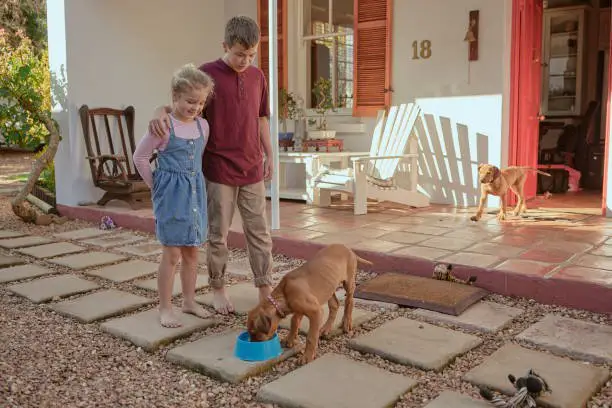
471,36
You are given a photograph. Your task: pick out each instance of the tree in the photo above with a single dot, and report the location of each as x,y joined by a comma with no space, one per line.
22,76
27,16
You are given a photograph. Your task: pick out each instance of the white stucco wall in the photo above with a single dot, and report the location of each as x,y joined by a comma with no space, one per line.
121,53
462,101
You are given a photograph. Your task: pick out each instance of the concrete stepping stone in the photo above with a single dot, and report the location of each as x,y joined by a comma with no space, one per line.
147,248
100,305
10,234
51,250
114,240
214,356
151,284
244,297
6,261
23,242
45,289
448,399
125,271
333,380
240,267
83,233
414,343
571,337
484,316
359,317
143,328
20,272
87,260
572,383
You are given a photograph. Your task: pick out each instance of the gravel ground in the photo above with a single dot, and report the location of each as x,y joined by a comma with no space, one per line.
47,360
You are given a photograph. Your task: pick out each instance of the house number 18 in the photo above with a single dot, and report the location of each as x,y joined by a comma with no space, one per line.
421,50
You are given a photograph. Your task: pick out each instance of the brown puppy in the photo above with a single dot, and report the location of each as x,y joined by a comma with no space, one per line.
302,292
496,182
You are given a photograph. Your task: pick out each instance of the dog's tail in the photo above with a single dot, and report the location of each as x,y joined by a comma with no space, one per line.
536,170
363,261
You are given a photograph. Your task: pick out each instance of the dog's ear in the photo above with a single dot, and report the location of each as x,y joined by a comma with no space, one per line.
263,323
480,166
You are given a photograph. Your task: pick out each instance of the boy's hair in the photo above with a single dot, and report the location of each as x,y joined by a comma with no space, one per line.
189,77
242,30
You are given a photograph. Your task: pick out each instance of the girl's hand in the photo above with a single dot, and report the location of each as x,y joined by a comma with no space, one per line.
160,125
268,170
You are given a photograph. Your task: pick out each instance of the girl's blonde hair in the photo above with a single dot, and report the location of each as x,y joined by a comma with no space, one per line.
189,77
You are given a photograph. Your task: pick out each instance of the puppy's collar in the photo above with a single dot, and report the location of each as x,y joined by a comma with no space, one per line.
276,306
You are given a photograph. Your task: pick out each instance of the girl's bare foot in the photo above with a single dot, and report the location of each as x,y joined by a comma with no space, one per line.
196,310
221,302
167,318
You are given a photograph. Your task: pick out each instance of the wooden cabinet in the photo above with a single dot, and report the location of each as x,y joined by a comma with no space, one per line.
563,60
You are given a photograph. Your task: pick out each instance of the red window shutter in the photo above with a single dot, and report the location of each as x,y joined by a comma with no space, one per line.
372,56
263,54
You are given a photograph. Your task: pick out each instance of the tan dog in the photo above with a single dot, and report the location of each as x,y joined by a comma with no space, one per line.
302,292
497,182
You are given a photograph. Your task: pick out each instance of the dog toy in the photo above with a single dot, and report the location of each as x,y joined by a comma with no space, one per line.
528,389
444,272
107,223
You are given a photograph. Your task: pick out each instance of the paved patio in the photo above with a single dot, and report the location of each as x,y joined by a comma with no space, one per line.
554,256
340,380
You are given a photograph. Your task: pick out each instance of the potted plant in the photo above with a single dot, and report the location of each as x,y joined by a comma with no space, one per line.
322,94
288,107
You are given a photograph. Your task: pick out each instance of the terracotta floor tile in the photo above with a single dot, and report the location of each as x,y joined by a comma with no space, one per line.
411,219
367,232
471,259
562,244
427,230
300,234
328,228
604,250
503,251
526,267
298,223
547,255
338,238
377,245
471,234
515,240
534,232
451,244
404,237
597,276
387,226
422,252
590,237
594,261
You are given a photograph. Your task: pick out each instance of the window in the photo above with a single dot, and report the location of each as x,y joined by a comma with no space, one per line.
328,29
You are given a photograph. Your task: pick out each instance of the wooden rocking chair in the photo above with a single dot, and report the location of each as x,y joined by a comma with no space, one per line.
112,168
394,148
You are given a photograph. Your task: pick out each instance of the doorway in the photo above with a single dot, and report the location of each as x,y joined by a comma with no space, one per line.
559,100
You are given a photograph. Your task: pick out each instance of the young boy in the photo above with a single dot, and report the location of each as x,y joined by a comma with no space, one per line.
234,164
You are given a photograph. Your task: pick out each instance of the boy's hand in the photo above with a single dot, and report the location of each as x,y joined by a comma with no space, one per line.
160,125
268,170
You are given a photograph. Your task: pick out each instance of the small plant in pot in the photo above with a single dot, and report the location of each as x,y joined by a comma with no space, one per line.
324,103
288,109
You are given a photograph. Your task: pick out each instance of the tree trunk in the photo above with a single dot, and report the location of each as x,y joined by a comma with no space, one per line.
28,214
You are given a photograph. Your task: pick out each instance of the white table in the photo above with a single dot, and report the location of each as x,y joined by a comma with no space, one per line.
311,161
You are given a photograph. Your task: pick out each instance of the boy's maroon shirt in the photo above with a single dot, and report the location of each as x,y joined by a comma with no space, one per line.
234,154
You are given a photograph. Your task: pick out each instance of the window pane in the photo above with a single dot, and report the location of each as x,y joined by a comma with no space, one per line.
321,62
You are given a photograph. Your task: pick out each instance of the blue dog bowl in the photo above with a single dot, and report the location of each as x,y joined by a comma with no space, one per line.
248,350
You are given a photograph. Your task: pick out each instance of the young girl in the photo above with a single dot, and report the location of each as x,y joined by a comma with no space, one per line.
178,190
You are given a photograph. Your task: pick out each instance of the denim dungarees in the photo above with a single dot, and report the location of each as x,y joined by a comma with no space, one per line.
179,192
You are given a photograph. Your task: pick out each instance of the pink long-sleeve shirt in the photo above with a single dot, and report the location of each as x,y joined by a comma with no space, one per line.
149,143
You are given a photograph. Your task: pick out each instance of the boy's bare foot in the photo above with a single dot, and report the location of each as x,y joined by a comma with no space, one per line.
264,291
221,302
167,318
196,310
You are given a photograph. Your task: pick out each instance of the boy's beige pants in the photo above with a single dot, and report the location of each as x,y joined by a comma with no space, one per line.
251,202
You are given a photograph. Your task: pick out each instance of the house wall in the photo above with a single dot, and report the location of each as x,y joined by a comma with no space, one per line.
121,53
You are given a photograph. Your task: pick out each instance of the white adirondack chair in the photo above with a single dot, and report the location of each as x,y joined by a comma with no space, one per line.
393,148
